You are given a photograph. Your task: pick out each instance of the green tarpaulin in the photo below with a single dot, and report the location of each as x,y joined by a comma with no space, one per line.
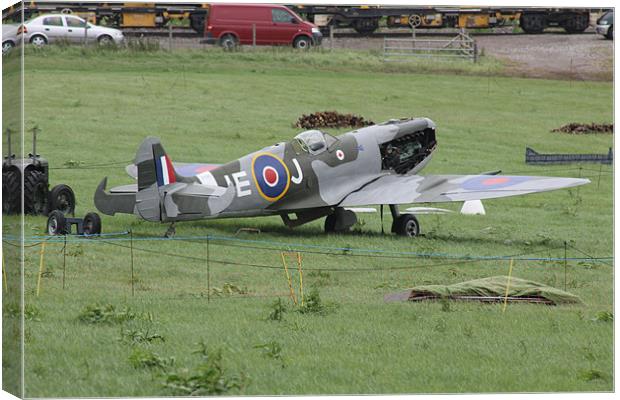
489,289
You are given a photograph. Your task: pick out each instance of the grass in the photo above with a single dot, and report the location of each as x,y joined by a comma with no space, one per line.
94,107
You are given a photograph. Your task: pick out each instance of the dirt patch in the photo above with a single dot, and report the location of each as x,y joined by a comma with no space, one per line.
554,55
331,119
576,128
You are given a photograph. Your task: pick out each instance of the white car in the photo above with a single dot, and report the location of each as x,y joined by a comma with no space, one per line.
605,25
50,28
9,37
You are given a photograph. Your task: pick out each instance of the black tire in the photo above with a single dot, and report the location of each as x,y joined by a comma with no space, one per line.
35,192
302,43
330,223
61,198
406,225
365,26
7,46
229,42
92,224
56,223
105,40
38,40
533,23
610,33
576,24
11,192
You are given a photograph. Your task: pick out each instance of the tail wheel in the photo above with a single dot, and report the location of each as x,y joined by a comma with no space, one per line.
92,224
62,198
406,225
533,23
11,192
35,192
56,223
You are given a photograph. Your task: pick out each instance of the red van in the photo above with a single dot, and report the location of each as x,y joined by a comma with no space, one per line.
231,25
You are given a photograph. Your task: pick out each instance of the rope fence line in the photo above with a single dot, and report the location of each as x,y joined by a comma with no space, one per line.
432,262
305,248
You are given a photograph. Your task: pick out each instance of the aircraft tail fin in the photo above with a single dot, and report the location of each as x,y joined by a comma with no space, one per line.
154,165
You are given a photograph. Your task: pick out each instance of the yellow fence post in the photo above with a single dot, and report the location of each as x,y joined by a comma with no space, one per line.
301,278
508,285
6,287
40,267
288,278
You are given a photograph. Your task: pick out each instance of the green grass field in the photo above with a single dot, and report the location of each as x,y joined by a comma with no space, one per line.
94,107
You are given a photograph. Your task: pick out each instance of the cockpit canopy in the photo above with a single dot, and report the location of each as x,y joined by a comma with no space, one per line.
314,141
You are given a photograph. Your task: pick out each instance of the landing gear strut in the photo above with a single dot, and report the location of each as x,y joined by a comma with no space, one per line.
404,224
171,231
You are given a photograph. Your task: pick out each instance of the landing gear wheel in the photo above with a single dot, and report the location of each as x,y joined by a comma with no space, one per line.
92,224
56,223
35,192
340,220
406,225
11,192
330,223
61,198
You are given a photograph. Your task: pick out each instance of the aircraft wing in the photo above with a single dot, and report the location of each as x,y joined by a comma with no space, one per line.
184,169
405,189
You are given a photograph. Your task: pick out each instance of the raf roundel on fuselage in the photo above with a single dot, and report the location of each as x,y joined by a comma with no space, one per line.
271,176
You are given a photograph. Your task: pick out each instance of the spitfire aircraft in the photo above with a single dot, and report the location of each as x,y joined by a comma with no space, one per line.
315,175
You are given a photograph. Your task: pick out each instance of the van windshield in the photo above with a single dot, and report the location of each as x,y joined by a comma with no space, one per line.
281,16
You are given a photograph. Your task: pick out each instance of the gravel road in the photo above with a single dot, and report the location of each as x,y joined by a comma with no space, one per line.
551,55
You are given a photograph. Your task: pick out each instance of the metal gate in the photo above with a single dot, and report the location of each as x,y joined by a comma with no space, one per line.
461,46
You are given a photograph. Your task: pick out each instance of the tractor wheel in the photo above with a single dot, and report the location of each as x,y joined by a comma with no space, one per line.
35,192
56,223
406,225
61,198
11,192
92,224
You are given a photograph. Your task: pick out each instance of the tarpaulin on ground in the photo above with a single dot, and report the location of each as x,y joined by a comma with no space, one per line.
490,289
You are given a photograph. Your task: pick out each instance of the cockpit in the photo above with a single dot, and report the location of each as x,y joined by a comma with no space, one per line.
313,142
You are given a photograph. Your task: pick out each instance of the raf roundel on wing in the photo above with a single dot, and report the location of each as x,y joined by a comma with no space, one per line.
271,176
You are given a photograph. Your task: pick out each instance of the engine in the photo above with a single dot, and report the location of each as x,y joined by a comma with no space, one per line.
405,153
